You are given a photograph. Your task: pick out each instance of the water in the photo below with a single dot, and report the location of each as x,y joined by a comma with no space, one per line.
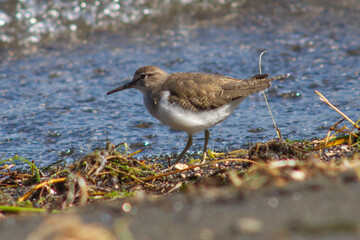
58,62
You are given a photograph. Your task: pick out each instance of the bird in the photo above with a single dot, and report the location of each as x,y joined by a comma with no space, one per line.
193,102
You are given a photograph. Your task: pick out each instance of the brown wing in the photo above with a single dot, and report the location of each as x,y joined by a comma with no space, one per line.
201,91
236,88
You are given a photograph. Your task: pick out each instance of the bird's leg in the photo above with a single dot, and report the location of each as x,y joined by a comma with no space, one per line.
207,136
188,145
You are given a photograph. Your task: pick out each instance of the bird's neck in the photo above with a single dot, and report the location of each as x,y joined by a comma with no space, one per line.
151,100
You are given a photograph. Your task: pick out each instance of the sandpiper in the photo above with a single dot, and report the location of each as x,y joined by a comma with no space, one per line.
193,102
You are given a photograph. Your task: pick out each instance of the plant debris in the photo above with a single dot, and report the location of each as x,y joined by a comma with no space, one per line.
109,174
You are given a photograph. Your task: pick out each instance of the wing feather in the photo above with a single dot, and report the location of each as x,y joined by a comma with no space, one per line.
202,91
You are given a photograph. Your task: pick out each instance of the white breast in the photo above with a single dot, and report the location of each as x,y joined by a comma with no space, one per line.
191,122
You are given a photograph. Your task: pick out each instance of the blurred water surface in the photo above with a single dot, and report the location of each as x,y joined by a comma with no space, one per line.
59,58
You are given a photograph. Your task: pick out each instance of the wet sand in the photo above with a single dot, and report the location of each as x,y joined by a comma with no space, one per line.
320,208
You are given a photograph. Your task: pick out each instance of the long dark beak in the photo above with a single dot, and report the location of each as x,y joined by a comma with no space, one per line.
123,87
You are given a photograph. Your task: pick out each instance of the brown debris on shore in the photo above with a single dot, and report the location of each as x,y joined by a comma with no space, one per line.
108,174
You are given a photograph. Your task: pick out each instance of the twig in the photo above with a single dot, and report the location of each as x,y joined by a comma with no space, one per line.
40,185
129,175
136,152
323,99
14,209
267,103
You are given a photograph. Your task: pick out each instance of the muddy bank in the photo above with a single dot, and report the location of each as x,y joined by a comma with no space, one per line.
316,209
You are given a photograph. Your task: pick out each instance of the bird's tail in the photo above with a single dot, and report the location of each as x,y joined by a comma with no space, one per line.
270,79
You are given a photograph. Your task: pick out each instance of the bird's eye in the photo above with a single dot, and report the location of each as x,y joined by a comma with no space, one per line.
143,76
